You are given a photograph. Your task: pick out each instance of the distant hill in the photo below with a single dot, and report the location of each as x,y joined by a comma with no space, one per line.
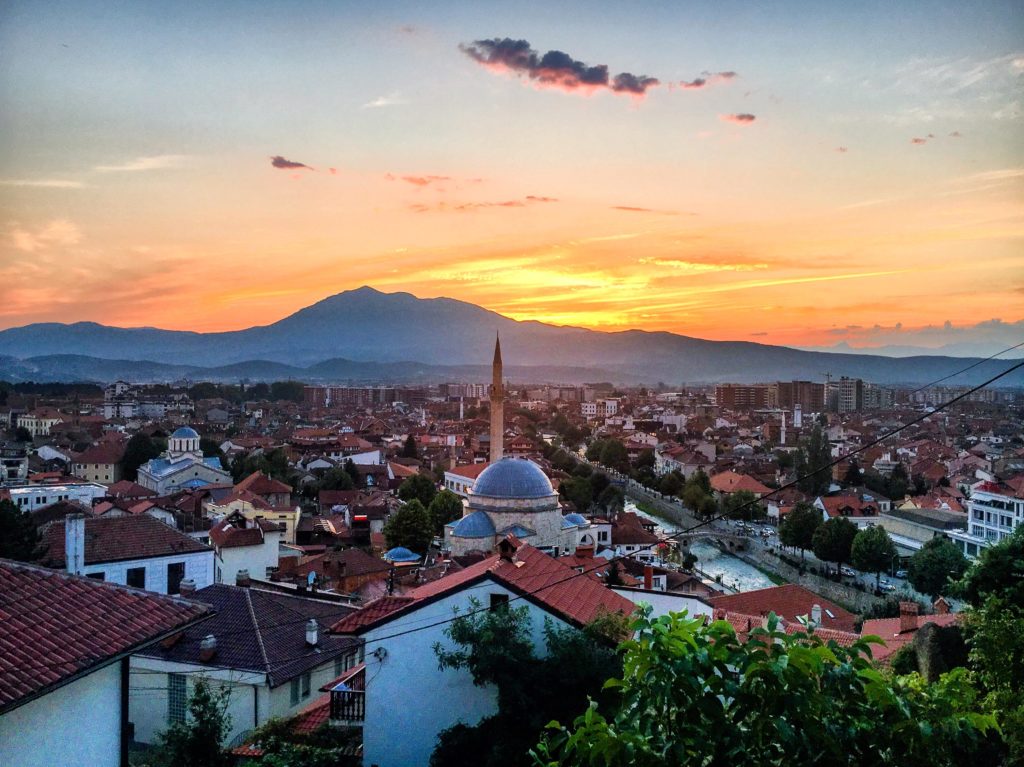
368,335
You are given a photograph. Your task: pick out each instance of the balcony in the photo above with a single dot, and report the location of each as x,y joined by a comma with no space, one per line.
348,697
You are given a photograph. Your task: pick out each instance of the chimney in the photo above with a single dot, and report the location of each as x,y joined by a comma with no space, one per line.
584,551
242,578
312,632
816,614
908,616
941,606
187,587
648,578
74,542
207,648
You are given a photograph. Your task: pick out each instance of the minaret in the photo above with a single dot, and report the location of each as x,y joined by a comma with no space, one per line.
497,406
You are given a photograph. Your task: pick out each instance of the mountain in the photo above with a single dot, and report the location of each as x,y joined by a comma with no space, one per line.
365,334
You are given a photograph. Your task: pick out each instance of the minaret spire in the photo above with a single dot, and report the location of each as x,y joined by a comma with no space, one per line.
497,405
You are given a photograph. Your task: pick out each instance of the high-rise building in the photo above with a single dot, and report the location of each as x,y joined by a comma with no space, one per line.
788,394
741,397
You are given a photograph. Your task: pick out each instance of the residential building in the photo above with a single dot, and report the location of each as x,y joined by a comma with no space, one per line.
249,545
39,422
33,497
994,511
460,479
64,681
741,397
791,602
269,649
395,695
138,551
100,462
13,464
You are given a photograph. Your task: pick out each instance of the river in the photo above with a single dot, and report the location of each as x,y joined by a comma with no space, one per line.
714,563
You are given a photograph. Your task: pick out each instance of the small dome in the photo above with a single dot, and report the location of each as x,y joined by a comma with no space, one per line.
513,478
475,525
568,524
401,554
185,432
576,519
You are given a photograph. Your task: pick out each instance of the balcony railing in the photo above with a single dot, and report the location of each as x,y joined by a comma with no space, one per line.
348,705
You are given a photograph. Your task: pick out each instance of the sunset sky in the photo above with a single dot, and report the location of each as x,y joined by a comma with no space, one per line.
789,173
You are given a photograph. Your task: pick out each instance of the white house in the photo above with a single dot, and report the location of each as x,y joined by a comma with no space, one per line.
139,551
252,545
268,648
64,678
32,497
401,725
995,510
182,466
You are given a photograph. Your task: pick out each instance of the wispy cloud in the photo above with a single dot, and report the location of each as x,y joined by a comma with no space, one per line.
418,180
43,183
708,79
698,267
384,101
279,162
57,232
554,69
463,207
743,118
155,162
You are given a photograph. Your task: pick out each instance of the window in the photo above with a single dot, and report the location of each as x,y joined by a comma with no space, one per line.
100,576
295,691
307,680
175,575
499,601
175,698
136,577
343,663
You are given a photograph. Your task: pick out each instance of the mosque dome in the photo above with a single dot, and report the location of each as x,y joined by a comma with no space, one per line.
475,525
400,554
577,519
513,478
185,432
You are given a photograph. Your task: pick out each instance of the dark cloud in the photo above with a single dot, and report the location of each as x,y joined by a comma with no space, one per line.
743,118
633,209
760,333
555,69
279,162
707,79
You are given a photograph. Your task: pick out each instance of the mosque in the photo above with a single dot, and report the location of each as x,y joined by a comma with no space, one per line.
512,496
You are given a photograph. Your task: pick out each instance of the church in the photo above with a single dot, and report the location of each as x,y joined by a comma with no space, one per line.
182,466
511,496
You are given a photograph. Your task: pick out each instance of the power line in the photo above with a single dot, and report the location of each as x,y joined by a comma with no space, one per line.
969,367
578,573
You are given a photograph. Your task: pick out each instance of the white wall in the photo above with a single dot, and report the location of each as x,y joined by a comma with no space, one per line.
198,567
255,559
663,603
408,699
77,725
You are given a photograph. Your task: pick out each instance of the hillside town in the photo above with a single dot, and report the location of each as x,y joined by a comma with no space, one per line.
303,550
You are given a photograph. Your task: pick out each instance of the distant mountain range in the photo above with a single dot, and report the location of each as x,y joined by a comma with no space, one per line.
368,336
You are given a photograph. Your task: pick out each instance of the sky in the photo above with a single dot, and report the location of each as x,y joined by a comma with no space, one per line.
806,174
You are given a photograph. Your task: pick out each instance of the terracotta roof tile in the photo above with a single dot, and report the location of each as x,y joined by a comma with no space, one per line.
789,601
112,539
54,625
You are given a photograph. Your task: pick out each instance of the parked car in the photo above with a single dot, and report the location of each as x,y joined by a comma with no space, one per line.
767,532
901,573
848,571
886,586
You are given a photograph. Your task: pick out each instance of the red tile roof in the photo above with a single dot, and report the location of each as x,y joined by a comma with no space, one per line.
889,631
789,601
113,539
732,482
102,452
370,613
260,484
54,626
531,573
470,471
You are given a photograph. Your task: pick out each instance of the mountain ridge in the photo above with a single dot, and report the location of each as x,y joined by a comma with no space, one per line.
365,326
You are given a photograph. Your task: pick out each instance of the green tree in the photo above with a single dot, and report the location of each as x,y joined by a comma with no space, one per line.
645,460
418,487
140,449
671,484
335,479
599,482
411,527
700,479
833,541
614,455
816,478
283,746
852,476
798,527
696,694
612,499
594,450
211,449
873,551
708,507
446,507
740,505
292,391
197,742
532,687
578,491
273,463
18,535
935,566
409,449
21,434
998,572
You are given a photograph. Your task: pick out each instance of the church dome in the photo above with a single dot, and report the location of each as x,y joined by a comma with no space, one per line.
513,478
475,525
185,432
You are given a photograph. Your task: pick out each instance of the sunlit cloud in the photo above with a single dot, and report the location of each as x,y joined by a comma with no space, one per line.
156,162
43,183
384,101
707,79
56,233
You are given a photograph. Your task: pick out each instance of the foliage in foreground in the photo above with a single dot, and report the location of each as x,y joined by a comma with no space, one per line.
694,694
196,742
